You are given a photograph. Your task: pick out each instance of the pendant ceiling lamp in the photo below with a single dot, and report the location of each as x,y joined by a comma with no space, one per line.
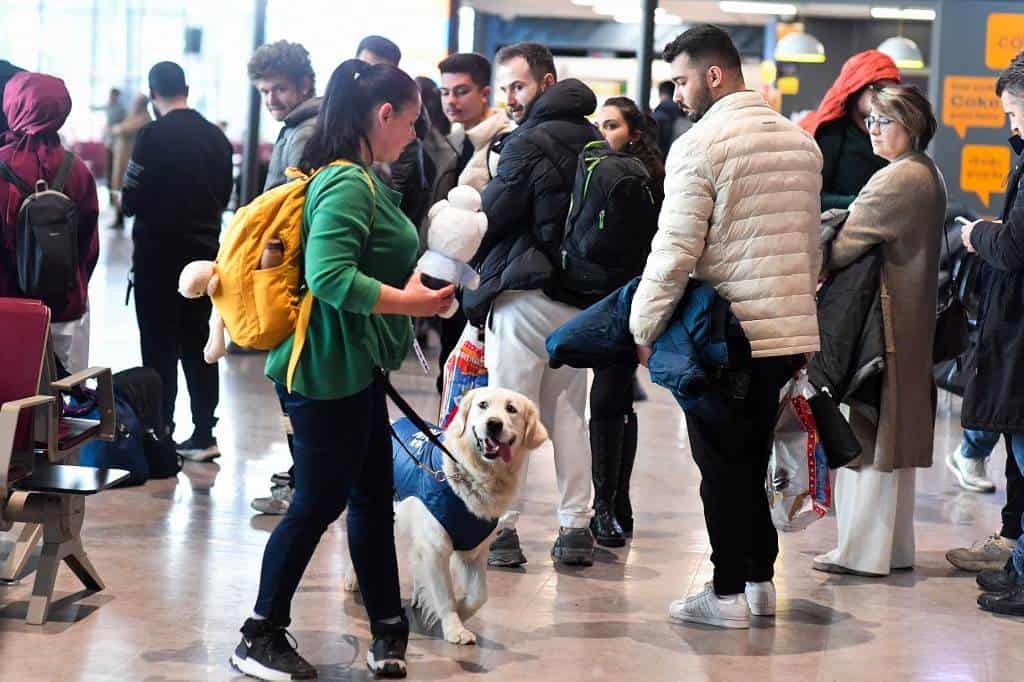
800,47
903,51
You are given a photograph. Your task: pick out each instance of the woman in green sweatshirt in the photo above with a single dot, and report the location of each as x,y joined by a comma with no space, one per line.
359,253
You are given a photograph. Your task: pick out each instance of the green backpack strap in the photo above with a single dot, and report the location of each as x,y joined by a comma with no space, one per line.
306,306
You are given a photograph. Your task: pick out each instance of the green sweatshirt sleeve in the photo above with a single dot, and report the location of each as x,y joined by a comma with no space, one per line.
340,219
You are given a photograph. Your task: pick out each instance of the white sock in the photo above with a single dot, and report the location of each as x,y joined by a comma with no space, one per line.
392,621
256,616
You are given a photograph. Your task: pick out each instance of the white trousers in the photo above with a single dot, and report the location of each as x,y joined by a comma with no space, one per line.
875,514
516,359
71,343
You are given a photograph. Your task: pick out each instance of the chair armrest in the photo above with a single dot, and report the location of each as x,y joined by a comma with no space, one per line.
79,378
9,414
16,406
104,401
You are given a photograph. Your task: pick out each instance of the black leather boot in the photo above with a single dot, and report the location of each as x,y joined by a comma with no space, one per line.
606,455
623,508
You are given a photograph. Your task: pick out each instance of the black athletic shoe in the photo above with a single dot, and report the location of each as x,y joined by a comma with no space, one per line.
574,547
386,657
505,551
998,581
199,449
268,652
1008,603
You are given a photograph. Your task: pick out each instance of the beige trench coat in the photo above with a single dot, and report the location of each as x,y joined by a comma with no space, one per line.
902,208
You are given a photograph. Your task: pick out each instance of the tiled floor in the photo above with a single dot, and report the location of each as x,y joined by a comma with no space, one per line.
181,562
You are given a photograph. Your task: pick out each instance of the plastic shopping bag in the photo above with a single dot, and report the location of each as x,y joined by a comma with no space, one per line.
464,370
798,486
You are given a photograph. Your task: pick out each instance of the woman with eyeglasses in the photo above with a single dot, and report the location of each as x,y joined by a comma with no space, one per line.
901,210
838,127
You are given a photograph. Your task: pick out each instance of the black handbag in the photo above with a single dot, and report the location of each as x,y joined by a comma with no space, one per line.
837,438
952,334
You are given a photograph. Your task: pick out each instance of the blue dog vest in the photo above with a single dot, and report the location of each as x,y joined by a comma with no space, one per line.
465,529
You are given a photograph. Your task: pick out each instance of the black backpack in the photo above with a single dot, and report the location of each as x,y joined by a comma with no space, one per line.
611,221
46,237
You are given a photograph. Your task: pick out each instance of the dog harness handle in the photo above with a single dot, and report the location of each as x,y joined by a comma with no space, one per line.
420,424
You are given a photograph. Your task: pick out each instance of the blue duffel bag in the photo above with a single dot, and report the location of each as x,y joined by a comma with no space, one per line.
127,451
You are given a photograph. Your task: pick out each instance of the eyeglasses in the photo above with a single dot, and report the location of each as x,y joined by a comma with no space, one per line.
881,121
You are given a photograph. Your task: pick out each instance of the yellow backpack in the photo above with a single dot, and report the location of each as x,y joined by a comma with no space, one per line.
262,308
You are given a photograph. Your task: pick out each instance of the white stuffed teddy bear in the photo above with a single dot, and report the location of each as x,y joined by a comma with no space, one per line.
199,278
455,229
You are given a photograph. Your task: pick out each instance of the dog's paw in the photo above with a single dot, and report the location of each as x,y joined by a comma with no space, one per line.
460,636
350,583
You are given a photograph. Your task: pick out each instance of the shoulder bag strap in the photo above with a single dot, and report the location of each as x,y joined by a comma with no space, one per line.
12,177
63,171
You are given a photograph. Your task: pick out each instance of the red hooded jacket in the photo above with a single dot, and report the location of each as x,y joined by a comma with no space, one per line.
36,106
858,72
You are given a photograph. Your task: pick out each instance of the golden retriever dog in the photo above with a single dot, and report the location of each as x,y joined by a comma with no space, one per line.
494,430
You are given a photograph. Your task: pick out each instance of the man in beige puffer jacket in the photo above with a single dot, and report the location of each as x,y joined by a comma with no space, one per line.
741,212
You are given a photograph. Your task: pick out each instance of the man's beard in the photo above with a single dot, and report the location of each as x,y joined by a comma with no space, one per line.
700,105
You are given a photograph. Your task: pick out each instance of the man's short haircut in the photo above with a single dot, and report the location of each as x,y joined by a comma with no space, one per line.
282,58
1012,78
167,80
706,44
382,47
666,88
477,66
537,56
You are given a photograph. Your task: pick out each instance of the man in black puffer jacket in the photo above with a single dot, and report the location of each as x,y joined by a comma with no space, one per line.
526,205
994,395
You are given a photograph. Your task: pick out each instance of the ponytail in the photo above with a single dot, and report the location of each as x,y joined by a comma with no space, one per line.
353,94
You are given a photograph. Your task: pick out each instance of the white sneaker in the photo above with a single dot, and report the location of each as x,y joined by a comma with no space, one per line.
761,598
970,473
710,609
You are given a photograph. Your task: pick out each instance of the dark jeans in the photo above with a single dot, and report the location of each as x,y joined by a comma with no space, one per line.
342,457
732,455
979,445
173,328
611,393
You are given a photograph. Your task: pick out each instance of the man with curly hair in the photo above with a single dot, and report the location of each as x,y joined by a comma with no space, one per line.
283,74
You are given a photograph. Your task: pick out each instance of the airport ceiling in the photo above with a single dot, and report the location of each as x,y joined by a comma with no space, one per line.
691,11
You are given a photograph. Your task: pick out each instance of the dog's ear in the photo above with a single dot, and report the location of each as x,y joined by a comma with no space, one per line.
535,434
461,419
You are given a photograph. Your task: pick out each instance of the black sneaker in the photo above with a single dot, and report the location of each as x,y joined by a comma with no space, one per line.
386,657
1008,603
998,581
505,551
268,652
199,449
574,547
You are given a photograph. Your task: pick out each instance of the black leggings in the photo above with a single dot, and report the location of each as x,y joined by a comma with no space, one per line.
611,394
342,458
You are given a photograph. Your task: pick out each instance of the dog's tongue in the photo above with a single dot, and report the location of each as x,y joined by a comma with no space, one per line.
505,452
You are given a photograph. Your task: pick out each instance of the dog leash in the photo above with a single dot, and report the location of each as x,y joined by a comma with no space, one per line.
440,476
